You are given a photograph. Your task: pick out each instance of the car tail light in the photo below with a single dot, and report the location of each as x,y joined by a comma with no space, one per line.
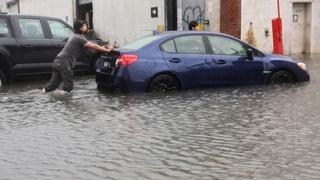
127,59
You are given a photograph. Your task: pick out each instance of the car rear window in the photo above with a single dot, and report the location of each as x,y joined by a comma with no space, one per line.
4,29
141,42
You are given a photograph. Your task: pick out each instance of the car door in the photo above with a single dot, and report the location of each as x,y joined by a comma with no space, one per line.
59,34
34,46
8,43
187,56
232,65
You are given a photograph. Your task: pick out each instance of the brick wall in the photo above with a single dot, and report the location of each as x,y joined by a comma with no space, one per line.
230,19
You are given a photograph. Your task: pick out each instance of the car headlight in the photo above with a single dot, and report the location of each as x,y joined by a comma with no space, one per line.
302,66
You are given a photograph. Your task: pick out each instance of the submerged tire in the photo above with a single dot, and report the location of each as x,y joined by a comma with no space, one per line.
164,83
92,67
282,77
3,80
101,87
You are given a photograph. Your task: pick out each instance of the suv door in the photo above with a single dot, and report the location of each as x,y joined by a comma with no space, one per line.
8,42
188,58
34,46
60,32
231,63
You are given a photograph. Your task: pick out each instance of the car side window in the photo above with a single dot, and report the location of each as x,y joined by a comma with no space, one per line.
4,29
59,30
192,44
31,28
169,47
226,46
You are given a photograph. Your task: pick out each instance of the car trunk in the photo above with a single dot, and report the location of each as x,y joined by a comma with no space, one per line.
107,62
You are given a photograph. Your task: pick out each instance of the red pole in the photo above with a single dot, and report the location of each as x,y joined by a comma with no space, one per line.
277,33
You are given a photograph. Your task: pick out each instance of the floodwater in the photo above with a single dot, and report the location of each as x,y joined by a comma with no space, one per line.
251,132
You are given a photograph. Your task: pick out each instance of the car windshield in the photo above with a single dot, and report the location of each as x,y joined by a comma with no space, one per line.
140,42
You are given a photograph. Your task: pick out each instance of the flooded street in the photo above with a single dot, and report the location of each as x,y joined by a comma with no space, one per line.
250,132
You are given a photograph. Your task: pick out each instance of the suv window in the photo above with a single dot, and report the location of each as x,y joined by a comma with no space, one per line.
226,46
59,30
4,29
193,44
31,28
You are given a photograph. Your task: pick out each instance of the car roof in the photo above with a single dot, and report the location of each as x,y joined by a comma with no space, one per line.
25,15
177,33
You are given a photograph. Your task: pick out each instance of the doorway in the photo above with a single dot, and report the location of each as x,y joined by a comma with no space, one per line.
171,15
301,23
85,12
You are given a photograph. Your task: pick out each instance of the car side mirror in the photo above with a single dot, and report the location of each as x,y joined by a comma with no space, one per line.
250,54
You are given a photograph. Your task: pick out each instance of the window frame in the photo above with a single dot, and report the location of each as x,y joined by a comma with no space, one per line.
231,39
175,45
257,53
9,28
32,18
49,29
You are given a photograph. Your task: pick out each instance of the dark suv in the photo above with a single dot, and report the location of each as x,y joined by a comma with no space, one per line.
29,44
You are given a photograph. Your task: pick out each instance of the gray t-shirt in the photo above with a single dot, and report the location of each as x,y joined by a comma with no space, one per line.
73,49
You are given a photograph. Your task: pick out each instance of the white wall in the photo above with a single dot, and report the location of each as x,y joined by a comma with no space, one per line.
62,9
125,20
3,6
260,13
315,27
213,15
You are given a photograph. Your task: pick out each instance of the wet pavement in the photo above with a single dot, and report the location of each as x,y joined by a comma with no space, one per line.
251,132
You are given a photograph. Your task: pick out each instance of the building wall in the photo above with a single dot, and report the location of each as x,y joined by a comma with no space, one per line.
261,14
62,9
231,17
122,21
3,6
192,10
210,9
213,15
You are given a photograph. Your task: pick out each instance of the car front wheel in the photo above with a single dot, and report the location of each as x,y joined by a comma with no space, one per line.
282,77
164,83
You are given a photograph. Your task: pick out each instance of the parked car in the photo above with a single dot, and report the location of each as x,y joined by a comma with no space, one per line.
182,60
29,44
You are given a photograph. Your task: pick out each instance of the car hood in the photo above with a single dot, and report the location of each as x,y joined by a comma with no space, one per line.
274,57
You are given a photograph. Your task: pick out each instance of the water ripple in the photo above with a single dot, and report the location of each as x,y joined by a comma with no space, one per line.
256,132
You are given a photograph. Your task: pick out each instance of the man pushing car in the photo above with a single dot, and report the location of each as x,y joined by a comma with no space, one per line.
65,61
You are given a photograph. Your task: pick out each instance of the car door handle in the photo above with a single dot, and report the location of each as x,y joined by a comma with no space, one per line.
59,46
220,62
175,60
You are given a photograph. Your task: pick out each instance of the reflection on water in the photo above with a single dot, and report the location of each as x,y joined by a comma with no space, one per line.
256,132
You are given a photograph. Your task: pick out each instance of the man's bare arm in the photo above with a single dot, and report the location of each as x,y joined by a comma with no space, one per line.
96,47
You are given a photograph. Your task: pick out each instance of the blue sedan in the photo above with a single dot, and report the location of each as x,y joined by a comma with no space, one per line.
181,60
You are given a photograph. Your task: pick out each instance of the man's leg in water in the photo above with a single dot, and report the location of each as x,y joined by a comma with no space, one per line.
54,82
67,78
